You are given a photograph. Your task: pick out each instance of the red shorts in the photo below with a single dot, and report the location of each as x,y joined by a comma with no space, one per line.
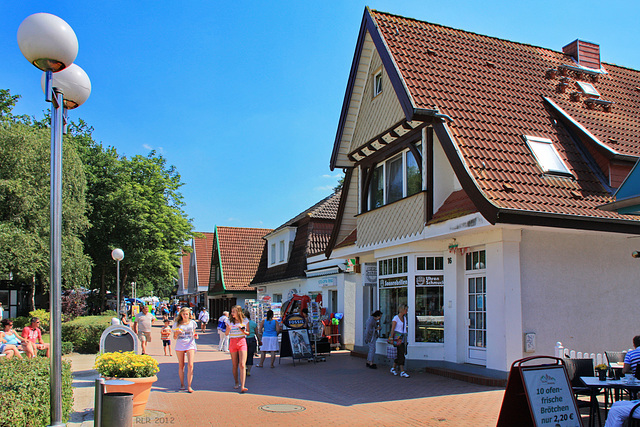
237,344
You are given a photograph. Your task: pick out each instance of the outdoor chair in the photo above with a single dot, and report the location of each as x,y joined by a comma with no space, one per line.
614,357
634,421
118,338
577,368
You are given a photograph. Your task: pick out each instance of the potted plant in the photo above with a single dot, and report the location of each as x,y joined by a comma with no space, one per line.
140,369
601,369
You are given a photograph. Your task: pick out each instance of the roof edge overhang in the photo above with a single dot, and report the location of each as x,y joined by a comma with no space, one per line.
487,209
602,148
369,25
546,219
621,204
277,280
341,207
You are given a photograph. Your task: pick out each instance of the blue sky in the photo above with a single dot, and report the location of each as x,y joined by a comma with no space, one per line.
243,97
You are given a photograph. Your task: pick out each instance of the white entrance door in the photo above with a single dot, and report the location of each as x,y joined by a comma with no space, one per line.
477,321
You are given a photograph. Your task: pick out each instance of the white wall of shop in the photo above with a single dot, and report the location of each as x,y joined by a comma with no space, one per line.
580,288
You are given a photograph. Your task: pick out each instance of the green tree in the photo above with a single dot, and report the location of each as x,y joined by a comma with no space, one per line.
24,204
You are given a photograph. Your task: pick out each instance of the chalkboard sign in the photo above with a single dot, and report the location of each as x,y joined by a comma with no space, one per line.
296,344
539,395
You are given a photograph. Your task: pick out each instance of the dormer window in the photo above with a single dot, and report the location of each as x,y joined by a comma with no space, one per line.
377,83
280,243
546,155
588,89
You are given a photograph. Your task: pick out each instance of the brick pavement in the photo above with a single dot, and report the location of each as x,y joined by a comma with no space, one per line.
340,391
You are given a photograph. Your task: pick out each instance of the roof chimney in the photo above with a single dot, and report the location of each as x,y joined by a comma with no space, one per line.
585,53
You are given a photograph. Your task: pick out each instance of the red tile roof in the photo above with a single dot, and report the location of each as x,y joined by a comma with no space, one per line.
495,91
457,204
240,252
203,247
186,262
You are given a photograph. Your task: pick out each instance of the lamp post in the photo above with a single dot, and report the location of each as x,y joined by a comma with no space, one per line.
50,44
117,255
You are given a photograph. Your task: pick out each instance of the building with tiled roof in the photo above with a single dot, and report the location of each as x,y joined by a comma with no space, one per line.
183,276
235,256
478,172
294,262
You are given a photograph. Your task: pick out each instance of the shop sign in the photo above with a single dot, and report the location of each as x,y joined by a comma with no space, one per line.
370,276
294,321
394,282
327,281
351,265
430,280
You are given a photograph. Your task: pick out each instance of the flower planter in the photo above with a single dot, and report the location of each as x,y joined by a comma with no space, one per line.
140,389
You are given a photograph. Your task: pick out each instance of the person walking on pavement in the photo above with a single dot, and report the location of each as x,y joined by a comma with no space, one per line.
371,332
185,332
203,317
142,327
399,325
222,327
268,332
237,330
251,342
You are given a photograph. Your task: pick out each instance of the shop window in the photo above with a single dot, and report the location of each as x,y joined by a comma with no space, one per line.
389,266
429,263
430,304
476,260
393,292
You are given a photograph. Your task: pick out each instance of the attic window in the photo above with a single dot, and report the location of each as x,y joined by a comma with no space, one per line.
588,89
547,155
377,83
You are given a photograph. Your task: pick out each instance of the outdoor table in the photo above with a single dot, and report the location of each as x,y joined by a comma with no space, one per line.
611,384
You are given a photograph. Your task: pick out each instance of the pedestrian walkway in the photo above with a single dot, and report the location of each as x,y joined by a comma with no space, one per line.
340,391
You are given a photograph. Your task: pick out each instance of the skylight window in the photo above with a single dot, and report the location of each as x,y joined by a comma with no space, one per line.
588,89
546,155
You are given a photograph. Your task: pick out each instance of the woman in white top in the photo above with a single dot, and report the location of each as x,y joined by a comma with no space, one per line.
185,332
237,330
399,324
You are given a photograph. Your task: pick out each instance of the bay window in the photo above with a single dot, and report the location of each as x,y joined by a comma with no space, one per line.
394,179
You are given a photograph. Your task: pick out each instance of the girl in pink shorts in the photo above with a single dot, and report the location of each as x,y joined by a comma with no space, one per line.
237,330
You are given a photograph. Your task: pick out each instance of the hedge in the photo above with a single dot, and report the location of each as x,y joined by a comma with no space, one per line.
85,332
24,392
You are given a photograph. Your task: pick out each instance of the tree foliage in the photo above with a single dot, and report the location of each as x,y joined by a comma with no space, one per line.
24,204
109,201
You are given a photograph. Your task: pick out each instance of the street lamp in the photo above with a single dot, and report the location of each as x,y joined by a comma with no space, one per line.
118,255
50,44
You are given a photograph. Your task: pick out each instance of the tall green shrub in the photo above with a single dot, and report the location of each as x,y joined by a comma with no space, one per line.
24,392
85,332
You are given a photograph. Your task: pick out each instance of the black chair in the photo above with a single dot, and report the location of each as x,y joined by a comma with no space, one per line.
634,421
577,368
614,357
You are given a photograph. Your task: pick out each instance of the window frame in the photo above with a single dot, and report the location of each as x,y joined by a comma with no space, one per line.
377,83
404,175
541,148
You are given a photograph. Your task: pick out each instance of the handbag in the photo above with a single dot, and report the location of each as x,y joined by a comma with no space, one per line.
392,352
395,339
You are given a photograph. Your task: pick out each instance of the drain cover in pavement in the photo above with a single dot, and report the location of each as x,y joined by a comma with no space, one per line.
282,408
